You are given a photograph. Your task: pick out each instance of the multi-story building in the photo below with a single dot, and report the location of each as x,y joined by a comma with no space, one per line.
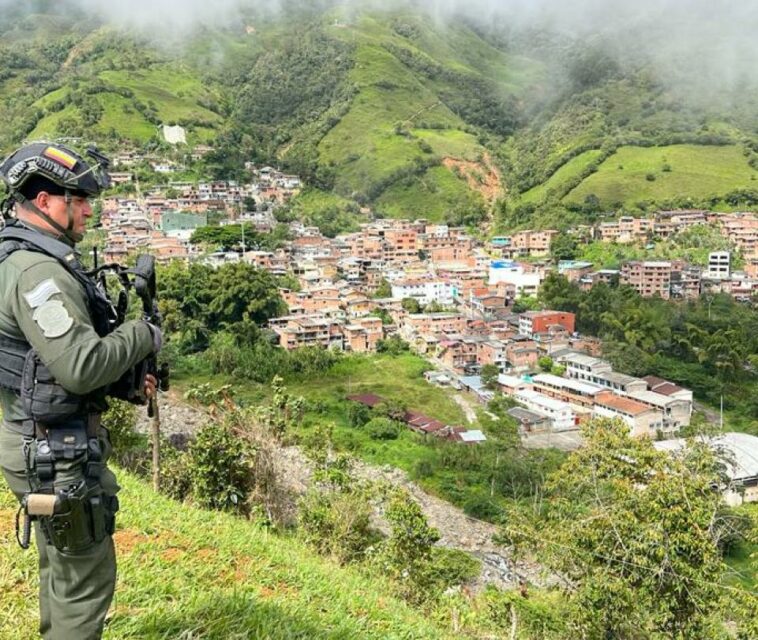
583,367
432,323
719,265
567,389
560,413
648,278
642,419
532,322
308,331
525,281
425,291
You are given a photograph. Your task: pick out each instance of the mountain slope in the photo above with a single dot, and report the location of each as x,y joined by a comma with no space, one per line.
184,572
392,110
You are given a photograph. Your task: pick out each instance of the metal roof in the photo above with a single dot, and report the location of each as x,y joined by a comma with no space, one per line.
740,451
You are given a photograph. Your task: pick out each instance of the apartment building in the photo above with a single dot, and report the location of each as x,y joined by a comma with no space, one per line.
583,367
642,419
425,291
533,322
719,265
567,389
415,324
649,278
308,331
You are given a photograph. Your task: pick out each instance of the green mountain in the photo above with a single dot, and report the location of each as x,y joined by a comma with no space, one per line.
391,110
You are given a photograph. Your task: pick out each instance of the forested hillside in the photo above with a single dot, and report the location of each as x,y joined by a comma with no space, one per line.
456,120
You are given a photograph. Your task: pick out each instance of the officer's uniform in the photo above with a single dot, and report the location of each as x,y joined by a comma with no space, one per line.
45,306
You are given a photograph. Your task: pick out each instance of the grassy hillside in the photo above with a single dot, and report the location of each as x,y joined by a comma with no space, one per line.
384,108
633,174
184,572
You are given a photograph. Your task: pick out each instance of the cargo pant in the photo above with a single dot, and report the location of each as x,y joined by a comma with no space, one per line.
75,589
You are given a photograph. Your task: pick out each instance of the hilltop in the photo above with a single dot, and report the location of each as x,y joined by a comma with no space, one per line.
391,111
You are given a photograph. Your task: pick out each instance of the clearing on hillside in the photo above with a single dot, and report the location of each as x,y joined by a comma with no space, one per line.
634,174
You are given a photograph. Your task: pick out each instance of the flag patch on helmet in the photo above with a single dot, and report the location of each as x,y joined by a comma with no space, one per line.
61,157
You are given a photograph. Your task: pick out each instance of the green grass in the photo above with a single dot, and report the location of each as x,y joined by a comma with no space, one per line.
451,142
173,89
119,114
47,127
431,196
185,572
571,169
696,172
743,560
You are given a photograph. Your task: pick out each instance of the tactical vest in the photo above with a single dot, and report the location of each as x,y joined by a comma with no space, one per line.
21,370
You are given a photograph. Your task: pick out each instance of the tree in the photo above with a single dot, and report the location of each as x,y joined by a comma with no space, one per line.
384,290
411,305
563,247
556,292
489,374
635,533
545,363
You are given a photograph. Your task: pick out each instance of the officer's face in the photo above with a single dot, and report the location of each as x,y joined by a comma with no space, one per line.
57,208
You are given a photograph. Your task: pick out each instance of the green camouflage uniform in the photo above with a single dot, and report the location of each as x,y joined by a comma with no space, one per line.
75,588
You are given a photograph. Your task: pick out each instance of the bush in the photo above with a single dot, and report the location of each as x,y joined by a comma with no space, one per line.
383,428
481,507
452,567
176,473
337,523
358,414
220,468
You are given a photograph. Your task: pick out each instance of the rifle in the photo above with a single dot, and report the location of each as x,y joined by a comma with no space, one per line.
141,279
131,386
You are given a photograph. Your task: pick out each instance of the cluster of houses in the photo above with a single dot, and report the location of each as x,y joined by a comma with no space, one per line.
162,221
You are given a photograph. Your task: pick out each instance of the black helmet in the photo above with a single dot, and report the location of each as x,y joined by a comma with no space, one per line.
52,167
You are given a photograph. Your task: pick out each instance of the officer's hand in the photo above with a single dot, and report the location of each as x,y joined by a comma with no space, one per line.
155,331
150,384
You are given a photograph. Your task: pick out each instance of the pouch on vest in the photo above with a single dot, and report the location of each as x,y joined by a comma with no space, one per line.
42,398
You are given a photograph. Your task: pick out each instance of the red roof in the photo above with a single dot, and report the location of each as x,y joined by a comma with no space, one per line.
369,399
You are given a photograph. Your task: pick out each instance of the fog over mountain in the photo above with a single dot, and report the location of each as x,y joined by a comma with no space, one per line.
687,42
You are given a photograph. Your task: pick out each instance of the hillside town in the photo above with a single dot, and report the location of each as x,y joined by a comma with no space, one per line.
450,296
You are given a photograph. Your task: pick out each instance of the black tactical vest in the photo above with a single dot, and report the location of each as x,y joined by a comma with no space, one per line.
21,371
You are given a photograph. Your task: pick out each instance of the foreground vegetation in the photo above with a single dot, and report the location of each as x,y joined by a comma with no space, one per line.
187,572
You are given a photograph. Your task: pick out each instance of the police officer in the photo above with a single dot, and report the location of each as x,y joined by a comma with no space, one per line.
59,351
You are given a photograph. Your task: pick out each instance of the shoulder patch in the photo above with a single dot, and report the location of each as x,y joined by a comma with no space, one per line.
41,293
53,318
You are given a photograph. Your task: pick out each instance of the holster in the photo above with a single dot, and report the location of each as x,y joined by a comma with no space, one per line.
73,517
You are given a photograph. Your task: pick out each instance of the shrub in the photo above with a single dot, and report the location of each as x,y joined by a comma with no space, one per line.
176,474
358,414
220,468
337,523
650,177
481,507
383,428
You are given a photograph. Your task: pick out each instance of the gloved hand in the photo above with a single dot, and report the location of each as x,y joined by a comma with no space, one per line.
155,331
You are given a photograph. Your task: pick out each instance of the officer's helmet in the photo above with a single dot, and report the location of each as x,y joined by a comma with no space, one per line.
52,167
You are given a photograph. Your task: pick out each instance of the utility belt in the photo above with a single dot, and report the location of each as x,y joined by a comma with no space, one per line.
73,513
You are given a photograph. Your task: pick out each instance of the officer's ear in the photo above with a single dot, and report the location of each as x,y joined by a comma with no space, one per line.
42,201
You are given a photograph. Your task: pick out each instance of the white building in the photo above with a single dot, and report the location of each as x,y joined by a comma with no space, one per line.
525,283
740,454
719,265
560,413
425,291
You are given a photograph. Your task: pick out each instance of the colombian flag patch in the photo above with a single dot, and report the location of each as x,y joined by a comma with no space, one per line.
61,157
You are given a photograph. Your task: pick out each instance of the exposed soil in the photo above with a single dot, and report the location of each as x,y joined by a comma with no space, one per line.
483,176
